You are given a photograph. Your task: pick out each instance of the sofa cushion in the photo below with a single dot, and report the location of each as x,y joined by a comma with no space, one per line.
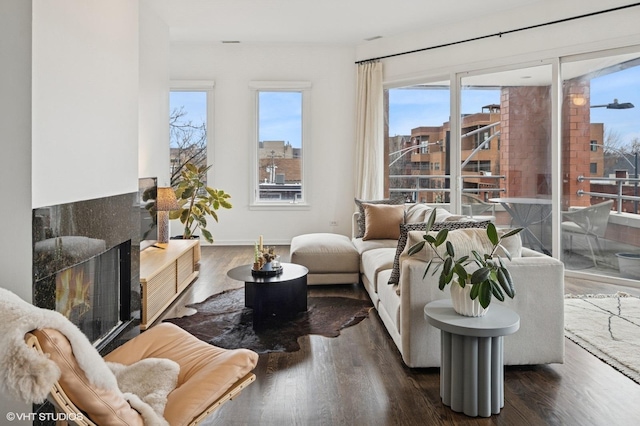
374,261
364,246
361,217
382,221
390,299
407,227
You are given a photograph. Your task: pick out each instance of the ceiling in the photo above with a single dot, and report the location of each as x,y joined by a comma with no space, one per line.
346,22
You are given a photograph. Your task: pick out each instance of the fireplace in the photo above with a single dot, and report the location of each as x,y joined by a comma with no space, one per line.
86,264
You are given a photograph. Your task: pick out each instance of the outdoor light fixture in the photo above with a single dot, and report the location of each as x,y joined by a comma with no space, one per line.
165,202
615,105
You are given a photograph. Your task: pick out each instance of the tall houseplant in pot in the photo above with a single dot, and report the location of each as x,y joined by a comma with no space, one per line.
197,201
471,291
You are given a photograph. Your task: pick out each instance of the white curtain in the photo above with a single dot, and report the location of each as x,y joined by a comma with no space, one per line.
369,132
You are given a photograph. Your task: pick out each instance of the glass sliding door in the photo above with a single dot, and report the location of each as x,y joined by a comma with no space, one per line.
600,145
505,148
418,132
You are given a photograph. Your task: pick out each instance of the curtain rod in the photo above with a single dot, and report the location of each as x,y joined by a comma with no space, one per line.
500,34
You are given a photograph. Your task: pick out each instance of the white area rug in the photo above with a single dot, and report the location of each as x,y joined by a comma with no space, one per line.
608,326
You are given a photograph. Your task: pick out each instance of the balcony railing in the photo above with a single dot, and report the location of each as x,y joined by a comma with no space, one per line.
619,195
421,183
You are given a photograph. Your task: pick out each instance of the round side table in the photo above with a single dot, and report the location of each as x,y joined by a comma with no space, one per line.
471,361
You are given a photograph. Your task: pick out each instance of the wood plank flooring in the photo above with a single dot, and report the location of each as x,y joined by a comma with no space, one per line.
358,378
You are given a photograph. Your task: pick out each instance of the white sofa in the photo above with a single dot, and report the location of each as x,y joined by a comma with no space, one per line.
539,283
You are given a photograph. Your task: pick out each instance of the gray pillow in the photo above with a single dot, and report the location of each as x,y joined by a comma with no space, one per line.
361,218
406,227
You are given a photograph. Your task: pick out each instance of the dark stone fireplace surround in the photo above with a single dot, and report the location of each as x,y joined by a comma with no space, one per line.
111,221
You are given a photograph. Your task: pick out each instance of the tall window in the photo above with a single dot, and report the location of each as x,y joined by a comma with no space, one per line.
513,107
600,145
417,135
279,143
188,129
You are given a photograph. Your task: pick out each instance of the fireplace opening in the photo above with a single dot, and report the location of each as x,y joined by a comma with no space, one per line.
93,294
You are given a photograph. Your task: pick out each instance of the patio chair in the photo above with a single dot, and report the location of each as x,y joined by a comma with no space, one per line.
591,222
208,377
475,206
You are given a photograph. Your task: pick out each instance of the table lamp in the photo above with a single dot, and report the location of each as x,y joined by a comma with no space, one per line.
165,202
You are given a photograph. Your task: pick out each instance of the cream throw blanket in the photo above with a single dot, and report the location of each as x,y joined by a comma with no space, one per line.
28,375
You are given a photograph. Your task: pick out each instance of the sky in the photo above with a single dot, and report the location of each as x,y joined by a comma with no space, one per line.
281,117
281,112
194,103
411,108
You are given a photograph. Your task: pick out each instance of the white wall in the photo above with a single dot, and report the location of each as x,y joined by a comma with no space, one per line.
85,100
154,96
68,92
15,173
331,185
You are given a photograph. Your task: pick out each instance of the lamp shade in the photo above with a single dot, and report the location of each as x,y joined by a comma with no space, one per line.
166,200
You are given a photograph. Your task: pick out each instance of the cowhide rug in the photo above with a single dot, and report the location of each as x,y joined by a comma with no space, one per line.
223,321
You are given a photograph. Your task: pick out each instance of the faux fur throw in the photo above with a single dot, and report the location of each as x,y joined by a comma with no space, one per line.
28,375
151,379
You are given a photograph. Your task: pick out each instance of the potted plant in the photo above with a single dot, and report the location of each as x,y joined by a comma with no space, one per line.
197,201
491,278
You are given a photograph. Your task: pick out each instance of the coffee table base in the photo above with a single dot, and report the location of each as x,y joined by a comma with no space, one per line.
280,299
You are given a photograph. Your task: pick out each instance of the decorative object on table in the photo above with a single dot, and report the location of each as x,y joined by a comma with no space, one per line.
490,279
607,326
165,202
265,261
223,320
197,201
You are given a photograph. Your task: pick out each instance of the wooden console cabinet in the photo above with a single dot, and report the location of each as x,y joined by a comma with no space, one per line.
164,274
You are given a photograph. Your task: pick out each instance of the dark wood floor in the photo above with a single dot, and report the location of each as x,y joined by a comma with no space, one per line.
358,378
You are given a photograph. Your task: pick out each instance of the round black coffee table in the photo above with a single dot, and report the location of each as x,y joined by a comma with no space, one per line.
283,295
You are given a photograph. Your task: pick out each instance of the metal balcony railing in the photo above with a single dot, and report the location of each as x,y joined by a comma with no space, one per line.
422,183
619,195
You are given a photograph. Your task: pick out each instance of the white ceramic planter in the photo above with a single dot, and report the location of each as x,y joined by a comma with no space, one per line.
462,302
629,264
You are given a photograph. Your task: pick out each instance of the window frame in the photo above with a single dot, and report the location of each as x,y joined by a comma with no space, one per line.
304,88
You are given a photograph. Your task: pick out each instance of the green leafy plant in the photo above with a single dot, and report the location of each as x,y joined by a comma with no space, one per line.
197,201
490,279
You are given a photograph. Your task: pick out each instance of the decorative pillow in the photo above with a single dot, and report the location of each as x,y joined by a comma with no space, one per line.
464,241
361,218
382,221
419,213
405,228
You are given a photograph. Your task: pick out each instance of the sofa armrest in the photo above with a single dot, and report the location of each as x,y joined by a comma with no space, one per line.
354,224
539,300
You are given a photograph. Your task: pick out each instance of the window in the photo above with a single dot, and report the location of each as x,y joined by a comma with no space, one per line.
594,146
279,143
593,168
189,109
417,130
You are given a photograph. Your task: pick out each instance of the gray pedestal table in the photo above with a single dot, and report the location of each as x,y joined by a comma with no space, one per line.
471,366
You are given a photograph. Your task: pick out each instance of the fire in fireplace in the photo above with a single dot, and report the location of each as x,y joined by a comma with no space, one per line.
89,294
